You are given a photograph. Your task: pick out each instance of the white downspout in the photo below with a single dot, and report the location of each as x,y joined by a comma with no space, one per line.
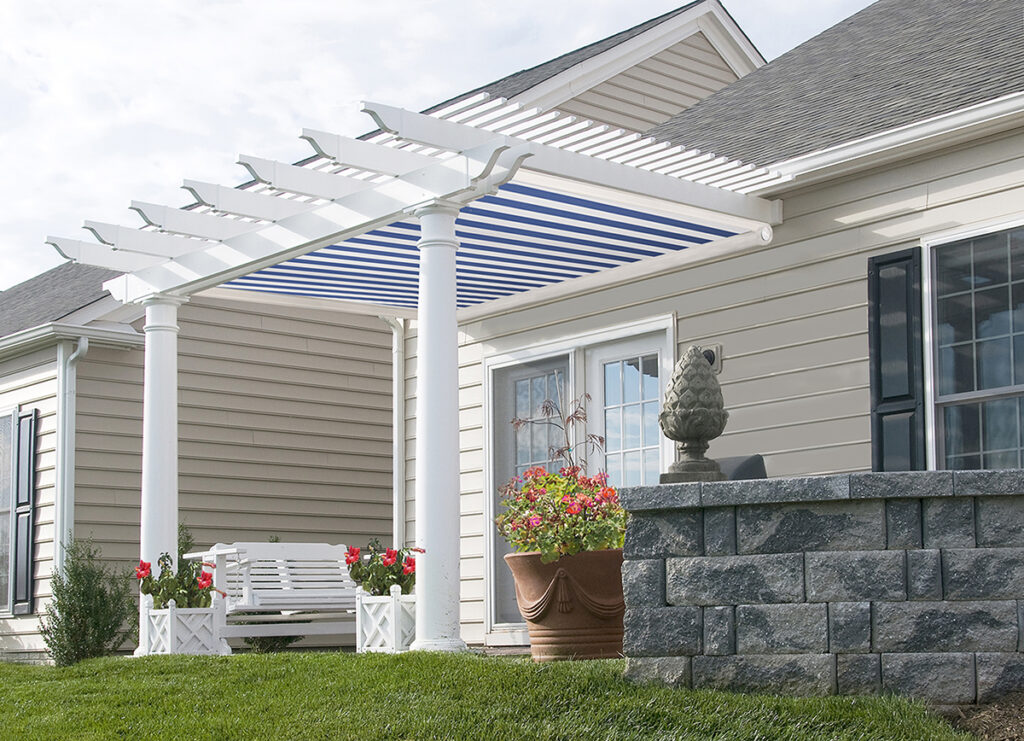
398,428
64,496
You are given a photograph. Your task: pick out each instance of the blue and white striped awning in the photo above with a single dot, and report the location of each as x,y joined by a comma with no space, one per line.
522,238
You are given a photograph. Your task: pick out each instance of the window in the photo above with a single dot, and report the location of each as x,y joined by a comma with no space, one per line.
978,305
6,493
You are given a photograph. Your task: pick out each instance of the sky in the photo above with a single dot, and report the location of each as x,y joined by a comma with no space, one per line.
109,101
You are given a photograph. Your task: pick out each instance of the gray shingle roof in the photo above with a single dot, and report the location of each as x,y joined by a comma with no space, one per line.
51,296
893,63
519,82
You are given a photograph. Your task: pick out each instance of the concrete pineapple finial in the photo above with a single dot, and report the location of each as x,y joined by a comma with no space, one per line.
692,415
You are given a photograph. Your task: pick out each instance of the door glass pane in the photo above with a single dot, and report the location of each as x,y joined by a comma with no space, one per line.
652,433
651,466
649,366
522,399
631,380
632,469
613,429
631,423
612,383
613,467
539,395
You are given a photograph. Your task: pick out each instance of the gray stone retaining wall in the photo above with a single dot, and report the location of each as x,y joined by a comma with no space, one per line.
911,583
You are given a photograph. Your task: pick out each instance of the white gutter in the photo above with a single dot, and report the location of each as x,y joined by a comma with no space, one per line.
49,334
397,428
64,496
948,128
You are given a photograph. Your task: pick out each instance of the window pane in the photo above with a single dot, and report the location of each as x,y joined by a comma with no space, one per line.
962,429
522,399
992,312
612,383
1005,459
990,261
994,363
652,433
955,319
539,446
649,366
952,269
631,427
999,425
632,469
1017,254
522,445
613,429
964,463
631,380
555,391
956,369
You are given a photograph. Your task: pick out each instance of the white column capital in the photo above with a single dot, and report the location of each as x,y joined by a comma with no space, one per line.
155,299
439,206
162,313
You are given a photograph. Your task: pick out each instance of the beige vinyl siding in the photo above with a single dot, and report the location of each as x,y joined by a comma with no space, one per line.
30,381
791,317
284,429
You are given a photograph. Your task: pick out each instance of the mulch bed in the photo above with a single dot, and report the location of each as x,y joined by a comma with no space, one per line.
1002,720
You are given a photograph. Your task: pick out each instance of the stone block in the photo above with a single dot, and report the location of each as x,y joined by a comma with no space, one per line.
659,498
671,670
800,674
650,535
662,631
903,523
901,485
767,491
791,528
924,575
849,627
858,674
855,576
999,674
936,677
735,580
781,629
988,483
720,531
1000,521
904,627
948,522
719,631
643,582
983,573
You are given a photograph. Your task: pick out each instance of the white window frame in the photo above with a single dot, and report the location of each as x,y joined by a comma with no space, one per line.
10,413
575,346
929,243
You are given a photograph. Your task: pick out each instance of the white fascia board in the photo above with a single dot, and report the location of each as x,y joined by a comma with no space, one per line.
595,70
729,40
52,333
459,179
649,267
306,302
749,211
904,141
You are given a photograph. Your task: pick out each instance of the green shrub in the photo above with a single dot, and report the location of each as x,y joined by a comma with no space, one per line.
92,612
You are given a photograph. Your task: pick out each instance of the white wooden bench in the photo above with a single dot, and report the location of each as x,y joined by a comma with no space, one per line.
281,589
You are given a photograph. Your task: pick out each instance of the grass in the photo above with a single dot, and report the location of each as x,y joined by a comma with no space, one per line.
415,696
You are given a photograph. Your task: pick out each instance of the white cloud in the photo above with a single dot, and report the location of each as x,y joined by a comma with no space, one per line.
109,101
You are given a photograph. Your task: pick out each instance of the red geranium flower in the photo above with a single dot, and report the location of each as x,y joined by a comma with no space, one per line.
205,579
389,558
409,566
143,569
352,556
574,508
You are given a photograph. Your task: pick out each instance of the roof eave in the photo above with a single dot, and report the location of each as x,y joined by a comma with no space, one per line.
49,334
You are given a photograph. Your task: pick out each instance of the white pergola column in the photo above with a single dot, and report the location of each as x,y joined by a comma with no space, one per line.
437,435
159,519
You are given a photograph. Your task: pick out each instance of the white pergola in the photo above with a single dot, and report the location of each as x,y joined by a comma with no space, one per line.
450,215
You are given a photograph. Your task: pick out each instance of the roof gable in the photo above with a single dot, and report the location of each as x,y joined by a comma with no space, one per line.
51,296
894,63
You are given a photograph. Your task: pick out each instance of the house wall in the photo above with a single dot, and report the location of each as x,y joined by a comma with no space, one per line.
30,381
284,429
791,317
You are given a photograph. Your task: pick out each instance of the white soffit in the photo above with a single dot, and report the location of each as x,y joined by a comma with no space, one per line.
338,225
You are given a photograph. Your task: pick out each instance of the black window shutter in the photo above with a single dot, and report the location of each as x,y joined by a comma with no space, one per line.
23,513
897,369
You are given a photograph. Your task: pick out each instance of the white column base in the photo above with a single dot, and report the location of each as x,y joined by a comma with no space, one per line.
449,645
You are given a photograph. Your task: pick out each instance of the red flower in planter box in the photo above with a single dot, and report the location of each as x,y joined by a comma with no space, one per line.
352,556
205,579
389,557
143,569
409,565
379,569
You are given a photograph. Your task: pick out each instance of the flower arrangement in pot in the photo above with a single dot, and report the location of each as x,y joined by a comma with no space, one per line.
567,530
377,570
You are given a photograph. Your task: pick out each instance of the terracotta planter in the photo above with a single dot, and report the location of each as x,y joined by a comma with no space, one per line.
573,606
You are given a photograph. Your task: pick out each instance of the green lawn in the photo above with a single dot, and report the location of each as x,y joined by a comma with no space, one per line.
415,696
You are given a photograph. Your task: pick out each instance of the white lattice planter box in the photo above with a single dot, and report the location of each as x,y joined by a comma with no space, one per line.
174,630
385,624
